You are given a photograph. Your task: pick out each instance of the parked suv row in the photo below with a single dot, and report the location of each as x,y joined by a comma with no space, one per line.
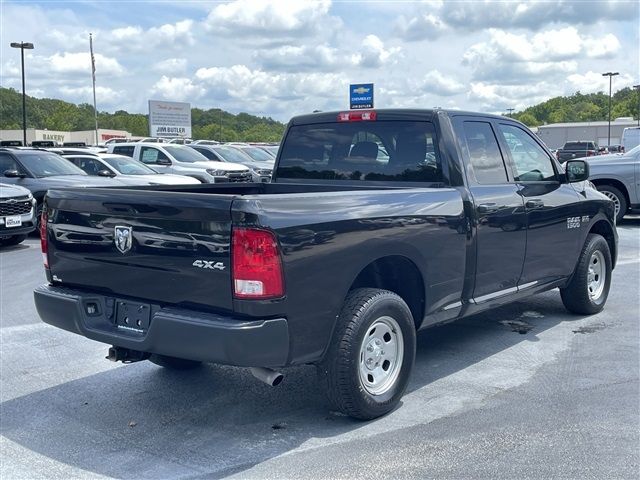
182,160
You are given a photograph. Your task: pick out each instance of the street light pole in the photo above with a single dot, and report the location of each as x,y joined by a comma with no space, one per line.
637,87
610,75
22,46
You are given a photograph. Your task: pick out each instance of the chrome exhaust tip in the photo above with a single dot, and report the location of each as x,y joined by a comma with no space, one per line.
267,375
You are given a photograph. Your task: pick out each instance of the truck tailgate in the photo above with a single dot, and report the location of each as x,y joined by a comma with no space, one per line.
163,247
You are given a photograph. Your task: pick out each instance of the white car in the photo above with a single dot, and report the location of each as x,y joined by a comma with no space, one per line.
182,160
126,170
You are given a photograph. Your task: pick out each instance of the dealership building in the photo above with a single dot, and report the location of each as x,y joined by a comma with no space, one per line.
86,136
556,134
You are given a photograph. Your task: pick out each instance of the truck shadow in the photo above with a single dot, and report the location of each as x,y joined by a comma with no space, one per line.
140,421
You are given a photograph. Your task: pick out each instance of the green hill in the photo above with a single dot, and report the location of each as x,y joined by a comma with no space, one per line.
581,108
59,115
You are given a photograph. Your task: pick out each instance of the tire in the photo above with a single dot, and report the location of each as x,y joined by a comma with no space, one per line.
351,386
14,240
587,291
174,363
618,198
36,232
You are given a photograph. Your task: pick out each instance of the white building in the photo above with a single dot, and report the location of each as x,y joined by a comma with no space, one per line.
86,136
556,134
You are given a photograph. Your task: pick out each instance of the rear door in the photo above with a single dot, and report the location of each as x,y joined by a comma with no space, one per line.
499,211
162,247
554,214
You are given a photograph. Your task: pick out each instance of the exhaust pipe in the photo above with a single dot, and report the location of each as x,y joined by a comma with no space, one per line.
268,376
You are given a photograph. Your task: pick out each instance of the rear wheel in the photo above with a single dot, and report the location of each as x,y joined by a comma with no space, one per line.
367,367
589,288
14,240
174,363
618,199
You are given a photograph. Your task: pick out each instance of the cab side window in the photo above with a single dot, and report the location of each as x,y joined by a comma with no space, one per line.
150,155
7,163
484,154
531,162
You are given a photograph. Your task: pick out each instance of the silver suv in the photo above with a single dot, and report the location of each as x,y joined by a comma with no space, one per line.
182,160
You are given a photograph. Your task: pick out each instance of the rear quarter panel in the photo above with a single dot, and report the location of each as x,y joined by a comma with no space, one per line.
327,239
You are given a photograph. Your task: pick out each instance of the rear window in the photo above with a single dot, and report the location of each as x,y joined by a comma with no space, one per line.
124,150
386,151
579,145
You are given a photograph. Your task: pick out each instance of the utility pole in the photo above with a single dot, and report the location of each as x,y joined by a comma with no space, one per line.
22,46
637,88
510,110
610,75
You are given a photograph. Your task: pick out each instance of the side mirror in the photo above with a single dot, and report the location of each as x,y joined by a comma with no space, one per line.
577,171
106,173
163,161
13,174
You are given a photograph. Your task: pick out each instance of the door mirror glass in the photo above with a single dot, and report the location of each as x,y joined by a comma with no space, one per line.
577,171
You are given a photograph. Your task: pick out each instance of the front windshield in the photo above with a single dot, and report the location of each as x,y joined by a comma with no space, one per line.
185,154
45,164
128,166
233,155
258,154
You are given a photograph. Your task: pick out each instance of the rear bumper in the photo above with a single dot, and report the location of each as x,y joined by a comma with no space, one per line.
174,332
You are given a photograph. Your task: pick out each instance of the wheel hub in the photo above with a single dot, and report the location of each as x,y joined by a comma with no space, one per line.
381,354
596,275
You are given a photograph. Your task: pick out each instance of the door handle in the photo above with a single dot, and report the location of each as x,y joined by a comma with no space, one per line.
534,203
488,208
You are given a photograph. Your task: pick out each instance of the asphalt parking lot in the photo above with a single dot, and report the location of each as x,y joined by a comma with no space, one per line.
525,391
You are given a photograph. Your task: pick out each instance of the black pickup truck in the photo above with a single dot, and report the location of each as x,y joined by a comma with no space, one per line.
580,149
377,224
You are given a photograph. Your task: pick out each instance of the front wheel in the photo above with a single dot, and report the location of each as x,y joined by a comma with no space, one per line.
588,290
367,366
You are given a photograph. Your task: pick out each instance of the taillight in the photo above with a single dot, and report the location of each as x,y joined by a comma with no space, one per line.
358,116
256,264
44,241
590,153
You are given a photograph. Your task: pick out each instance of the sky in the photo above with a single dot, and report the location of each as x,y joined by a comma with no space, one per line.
280,58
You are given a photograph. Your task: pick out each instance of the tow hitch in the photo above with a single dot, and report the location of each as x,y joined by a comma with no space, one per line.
125,355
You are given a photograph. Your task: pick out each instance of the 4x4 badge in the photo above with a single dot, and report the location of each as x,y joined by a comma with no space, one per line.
122,238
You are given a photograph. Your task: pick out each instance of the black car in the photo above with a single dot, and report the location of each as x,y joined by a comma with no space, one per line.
38,170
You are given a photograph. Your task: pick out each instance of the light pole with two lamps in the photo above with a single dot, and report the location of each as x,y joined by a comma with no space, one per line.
23,46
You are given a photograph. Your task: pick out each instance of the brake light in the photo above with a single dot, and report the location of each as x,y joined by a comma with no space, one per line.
256,264
358,116
44,241
590,153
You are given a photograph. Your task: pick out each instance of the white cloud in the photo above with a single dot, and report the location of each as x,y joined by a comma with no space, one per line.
170,36
80,62
521,58
301,58
178,89
420,27
104,95
436,83
373,53
591,82
171,65
269,19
